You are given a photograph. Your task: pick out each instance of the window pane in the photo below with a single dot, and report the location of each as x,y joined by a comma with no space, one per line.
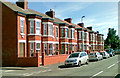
50,29
32,30
37,24
22,26
66,32
45,49
56,32
32,49
31,27
38,27
73,34
63,48
38,46
70,47
45,29
70,34
63,34
50,49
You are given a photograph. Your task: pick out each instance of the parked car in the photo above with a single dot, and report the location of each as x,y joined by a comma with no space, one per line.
105,54
95,56
117,51
77,59
111,52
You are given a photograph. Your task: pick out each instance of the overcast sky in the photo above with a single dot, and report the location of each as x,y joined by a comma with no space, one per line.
99,15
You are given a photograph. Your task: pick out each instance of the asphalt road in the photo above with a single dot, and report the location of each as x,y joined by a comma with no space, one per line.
106,67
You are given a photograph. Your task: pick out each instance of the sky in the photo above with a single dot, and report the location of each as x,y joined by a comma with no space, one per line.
99,15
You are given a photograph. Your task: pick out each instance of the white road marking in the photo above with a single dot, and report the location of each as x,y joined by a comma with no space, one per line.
96,74
9,70
111,66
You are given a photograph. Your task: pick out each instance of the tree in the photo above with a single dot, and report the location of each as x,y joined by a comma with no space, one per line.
112,41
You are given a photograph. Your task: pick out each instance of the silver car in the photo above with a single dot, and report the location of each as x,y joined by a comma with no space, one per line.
95,56
77,59
105,54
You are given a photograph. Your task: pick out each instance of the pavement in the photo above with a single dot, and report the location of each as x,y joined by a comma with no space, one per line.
104,68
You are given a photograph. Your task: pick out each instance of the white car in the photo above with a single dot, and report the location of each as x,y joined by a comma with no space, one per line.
77,59
105,54
95,56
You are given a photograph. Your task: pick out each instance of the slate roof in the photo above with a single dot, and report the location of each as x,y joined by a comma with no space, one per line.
15,8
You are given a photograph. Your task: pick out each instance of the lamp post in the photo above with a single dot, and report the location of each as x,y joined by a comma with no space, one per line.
82,32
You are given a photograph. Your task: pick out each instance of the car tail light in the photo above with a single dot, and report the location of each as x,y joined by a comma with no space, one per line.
95,55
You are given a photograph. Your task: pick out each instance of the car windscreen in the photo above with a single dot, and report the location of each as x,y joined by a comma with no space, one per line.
92,53
101,53
74,55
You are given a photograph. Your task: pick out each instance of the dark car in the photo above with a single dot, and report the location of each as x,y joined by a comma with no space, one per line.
111,52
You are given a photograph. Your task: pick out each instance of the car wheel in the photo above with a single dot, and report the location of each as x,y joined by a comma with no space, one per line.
87,62
79,64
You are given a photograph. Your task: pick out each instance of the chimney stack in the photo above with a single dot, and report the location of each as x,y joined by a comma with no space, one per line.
81,24
68,20
51,13
90,28
22,3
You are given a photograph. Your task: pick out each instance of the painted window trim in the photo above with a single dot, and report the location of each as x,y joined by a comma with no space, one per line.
22,41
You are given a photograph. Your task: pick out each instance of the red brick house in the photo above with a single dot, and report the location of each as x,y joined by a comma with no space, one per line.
30,38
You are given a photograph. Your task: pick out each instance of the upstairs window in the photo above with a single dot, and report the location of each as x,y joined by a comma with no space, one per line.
31,27
53,31
80,36
66,33
63,34
45,29
38,26
70,34
56,31
22,26
50,29
73,33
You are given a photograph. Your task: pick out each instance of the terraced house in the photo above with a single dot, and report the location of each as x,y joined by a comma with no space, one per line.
30,38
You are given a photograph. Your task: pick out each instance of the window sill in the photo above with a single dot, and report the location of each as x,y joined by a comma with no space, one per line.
35,34
22,34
